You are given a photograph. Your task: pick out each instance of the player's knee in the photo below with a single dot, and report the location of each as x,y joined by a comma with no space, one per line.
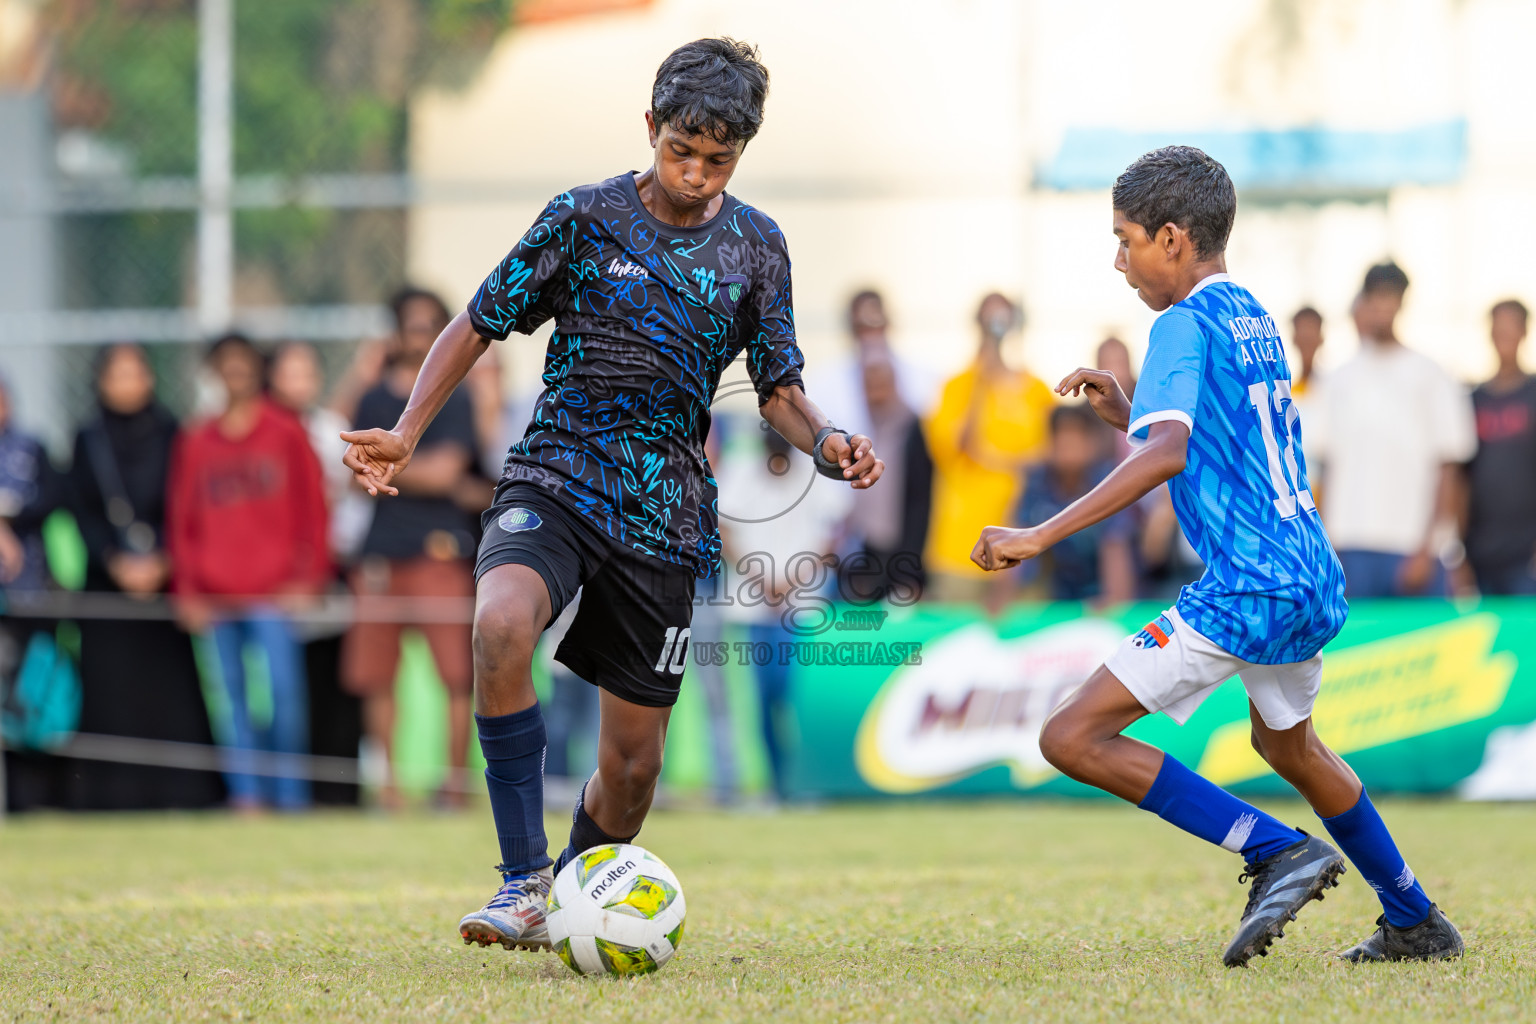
632,772
1289,758
1061,743
505,635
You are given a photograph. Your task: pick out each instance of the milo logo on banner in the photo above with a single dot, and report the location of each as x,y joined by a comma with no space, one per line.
976,700
1426,696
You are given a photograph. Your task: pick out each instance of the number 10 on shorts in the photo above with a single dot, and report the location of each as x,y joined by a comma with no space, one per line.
674,651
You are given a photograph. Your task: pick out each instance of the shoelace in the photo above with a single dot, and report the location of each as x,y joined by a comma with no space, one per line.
1258,873
512,890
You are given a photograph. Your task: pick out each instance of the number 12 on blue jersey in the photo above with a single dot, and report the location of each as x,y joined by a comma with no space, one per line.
1278,415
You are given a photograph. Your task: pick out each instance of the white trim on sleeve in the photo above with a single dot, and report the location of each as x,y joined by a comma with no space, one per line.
1163,416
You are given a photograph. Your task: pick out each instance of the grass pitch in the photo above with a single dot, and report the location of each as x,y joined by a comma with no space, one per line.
921,912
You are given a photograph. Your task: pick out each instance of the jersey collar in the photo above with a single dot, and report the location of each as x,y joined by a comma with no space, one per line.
1212,279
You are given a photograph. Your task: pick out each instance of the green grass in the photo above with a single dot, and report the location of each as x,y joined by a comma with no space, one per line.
921,912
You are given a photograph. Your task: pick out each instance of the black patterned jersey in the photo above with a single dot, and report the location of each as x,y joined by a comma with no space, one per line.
648,316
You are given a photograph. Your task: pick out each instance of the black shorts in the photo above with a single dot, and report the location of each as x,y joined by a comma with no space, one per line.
631,632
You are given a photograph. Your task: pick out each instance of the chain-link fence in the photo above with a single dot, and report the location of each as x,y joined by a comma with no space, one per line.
174,168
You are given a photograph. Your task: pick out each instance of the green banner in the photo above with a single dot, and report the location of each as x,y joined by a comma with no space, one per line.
1421,696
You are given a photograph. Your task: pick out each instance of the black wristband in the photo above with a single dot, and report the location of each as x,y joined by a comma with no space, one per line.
824,465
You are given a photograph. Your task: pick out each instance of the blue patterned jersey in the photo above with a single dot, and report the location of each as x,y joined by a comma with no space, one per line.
647,315
1273,590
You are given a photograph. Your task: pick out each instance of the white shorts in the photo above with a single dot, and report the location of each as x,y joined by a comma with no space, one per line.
1171,668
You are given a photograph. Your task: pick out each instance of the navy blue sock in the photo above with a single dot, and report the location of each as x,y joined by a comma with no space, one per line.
513,746
1204,809
585,834
1364,838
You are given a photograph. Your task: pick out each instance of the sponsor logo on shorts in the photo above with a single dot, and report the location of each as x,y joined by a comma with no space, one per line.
1154,633
515,520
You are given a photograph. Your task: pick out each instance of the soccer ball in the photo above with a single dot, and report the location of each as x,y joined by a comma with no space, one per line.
615,909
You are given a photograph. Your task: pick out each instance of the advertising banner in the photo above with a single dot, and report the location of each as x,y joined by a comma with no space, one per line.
1422,696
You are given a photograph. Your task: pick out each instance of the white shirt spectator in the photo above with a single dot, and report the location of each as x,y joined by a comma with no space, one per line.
797,513
837,387
1381,428
351,510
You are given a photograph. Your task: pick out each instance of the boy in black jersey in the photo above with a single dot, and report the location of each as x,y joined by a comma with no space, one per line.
656,281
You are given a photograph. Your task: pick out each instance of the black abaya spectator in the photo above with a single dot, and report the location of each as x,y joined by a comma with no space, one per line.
138,677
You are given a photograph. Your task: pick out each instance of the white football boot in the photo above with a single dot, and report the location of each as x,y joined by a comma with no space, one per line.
515,915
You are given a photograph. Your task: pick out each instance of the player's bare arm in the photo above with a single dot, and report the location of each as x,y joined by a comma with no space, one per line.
799,420
1155,463
1103,392
377,456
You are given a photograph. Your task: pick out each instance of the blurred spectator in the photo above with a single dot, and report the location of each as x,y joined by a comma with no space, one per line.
837,385
1114,357
362,375
420,546
1391,433
780,562
1501,512
888,526
709,629
487,396
29,490
990,422
1095,564
138,677
1307,336
1168,560
296,380
246,523
710,596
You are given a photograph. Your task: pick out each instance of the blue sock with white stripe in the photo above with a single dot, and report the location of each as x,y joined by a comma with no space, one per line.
513,746
1364,838
1202,808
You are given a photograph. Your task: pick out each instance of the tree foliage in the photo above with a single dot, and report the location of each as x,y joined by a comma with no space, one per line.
320,86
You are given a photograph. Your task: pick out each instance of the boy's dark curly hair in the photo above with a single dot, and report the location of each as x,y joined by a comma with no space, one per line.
1180,185
713,87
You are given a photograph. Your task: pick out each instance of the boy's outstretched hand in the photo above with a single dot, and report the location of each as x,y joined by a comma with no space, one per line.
1002,548
1104,395
375,457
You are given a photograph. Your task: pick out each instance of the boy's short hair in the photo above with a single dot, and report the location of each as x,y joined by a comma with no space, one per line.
1076,414
1306,313
233,342
713,87
1385,277
1183,186
1514,306
408,294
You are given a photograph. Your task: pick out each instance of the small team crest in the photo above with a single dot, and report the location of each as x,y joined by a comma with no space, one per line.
732,288
516,520
1154,634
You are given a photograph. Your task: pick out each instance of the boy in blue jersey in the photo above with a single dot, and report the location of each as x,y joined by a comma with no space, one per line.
656,280
1213,417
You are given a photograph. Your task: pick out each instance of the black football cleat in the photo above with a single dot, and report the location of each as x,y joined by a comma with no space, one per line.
1282,885
1433,938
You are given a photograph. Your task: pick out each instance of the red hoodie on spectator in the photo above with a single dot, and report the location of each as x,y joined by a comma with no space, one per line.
246,516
